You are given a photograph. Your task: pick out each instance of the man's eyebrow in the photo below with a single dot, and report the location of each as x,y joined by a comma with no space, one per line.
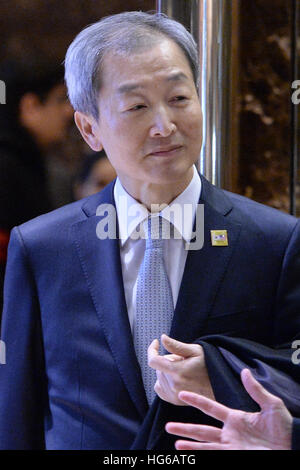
128,87
177,77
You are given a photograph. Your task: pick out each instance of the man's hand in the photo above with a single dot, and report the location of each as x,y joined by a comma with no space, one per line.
270,429
183,369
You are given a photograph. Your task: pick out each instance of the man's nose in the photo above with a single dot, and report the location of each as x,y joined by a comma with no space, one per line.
163,124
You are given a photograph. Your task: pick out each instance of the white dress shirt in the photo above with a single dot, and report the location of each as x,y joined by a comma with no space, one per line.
130,216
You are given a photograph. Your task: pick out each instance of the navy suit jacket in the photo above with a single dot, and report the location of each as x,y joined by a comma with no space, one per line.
71,378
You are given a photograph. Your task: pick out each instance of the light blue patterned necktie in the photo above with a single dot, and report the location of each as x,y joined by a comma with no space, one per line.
154,302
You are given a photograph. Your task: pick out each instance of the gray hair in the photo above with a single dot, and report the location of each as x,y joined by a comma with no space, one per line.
124,32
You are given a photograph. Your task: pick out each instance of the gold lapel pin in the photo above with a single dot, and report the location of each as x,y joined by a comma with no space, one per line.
219,237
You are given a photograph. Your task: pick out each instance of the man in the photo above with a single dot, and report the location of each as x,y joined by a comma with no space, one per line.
76,375
36,115
271,429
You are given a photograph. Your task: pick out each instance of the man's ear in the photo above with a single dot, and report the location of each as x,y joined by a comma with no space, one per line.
87,127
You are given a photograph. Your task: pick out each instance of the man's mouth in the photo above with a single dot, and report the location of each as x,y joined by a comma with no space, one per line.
166,151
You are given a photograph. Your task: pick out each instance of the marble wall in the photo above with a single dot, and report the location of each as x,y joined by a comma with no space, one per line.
265,101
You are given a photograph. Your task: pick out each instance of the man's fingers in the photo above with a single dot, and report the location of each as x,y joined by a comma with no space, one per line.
182,349
173,357
178,351
162,363
190,445
209,407
256,390
153,349
195,431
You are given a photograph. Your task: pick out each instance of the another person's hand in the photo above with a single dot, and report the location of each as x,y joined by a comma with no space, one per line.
269,429
183,369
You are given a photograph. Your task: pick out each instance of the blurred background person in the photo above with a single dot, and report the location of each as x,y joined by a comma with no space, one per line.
95,173
36,115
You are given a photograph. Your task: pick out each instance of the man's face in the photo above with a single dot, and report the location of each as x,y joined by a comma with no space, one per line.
150,120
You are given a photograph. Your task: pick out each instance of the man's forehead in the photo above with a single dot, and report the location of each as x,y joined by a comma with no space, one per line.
126,73
132,86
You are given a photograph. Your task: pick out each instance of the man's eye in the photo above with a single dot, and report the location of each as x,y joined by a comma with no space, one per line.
137,107
179,98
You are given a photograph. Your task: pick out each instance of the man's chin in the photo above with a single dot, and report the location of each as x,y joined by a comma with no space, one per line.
171,174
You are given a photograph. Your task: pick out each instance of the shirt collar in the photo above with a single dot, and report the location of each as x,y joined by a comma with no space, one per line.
131,213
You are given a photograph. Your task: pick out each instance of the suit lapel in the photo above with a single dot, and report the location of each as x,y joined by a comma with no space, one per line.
205,268
101,264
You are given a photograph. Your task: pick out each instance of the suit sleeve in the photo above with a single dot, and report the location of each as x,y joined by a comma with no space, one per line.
270,364
22,378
